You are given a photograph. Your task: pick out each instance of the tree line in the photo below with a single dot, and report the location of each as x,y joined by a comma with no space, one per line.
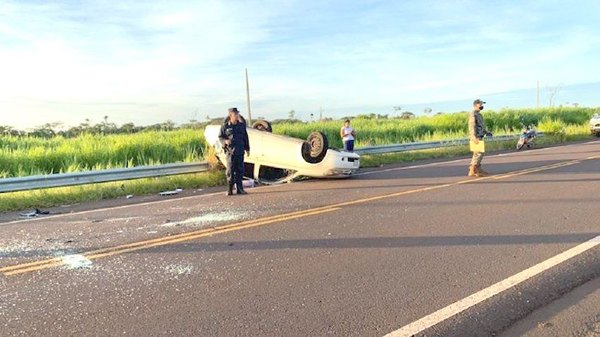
107,127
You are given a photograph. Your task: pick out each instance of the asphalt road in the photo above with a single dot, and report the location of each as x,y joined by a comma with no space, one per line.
364,256
576,314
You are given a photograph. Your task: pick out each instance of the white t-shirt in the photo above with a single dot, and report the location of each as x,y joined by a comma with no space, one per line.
348,132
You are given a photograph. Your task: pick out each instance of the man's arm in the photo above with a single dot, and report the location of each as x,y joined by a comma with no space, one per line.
222,135
472,128
246,141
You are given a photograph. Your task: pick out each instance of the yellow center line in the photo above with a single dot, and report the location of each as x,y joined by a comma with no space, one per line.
161,241
144,243
536,169
20,269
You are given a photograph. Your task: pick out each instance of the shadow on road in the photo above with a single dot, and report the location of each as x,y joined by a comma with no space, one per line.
381,242
334,243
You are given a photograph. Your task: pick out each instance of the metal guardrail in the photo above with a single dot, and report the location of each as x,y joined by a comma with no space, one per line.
381,149
102,176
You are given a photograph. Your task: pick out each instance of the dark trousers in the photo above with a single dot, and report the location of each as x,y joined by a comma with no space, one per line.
235,170
349,145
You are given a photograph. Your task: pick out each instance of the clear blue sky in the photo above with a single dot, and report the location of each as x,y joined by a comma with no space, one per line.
152,61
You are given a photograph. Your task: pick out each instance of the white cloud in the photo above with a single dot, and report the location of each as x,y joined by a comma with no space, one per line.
164,60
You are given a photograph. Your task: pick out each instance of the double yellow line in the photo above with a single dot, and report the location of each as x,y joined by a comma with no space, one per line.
135,246
131,247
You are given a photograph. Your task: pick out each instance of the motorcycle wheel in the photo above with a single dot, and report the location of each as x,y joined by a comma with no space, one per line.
520,144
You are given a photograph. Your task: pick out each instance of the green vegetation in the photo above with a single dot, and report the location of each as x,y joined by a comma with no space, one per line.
30,155
457,151
75,194
373,131
88,149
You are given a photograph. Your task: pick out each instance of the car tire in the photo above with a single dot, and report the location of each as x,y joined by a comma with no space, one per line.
315,147
262,125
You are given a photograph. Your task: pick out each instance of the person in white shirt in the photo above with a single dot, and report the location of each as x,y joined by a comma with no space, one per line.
347,133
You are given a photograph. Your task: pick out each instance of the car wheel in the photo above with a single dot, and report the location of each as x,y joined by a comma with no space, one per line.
262,125
315,147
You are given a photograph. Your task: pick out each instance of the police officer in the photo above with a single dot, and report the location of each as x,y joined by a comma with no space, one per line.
234,138
476,133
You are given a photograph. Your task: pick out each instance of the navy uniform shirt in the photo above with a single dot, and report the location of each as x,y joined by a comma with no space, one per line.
237,134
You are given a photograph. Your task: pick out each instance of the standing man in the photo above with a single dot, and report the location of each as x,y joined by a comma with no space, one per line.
234,138
476,133
347,133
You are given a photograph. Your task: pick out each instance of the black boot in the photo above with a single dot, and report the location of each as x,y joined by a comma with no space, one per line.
230,189
240,189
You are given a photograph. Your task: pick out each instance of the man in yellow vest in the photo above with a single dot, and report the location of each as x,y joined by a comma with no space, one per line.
476,133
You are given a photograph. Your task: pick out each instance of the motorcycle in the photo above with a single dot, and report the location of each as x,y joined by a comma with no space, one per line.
527,138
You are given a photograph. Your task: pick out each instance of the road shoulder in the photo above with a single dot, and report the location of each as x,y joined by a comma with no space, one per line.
577,313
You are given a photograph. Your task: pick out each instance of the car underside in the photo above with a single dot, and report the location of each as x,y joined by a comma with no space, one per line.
276,158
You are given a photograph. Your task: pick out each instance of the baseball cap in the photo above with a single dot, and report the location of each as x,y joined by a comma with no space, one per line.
234,110
478,101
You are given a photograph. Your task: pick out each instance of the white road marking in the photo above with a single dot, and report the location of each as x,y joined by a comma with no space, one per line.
273,186
493,290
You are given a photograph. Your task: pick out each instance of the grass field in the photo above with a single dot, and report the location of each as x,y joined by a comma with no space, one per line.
22,156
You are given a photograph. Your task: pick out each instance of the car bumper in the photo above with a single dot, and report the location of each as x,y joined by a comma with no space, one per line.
342,164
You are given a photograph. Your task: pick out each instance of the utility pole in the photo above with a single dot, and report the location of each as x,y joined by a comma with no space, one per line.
248,99
537,104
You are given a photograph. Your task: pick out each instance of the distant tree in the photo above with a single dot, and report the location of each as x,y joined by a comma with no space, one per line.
367,116
286,121
106,127
47,130
397,108
72,132
407,115
85,126
292,114
427,110
6,129
127,128
168,125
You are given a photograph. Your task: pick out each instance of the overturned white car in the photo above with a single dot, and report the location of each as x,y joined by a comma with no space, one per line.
276,158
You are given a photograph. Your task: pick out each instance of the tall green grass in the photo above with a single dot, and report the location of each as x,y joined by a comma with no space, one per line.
446,126
22,156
